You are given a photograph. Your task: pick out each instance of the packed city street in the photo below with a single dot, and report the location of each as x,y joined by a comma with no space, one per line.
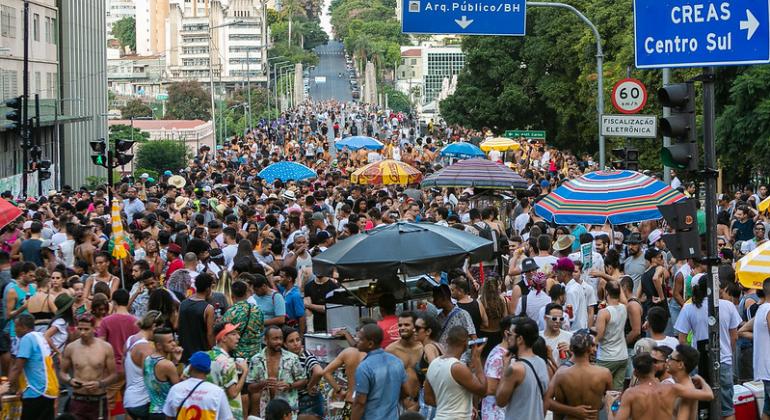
384,210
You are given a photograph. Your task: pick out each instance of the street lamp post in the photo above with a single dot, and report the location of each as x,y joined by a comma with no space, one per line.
278,70
286,71
211,70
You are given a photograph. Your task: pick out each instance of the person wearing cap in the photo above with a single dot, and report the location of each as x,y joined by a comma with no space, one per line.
610,334
196,397
578,391
634,264
226,372
88,366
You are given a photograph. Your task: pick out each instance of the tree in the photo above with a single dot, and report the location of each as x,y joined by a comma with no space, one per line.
135,108
188,101
124,31
126,132
162,155
397,101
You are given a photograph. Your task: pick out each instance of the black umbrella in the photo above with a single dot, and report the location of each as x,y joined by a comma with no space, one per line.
401,248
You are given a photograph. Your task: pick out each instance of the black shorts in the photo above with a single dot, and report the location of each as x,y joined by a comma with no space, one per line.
5,343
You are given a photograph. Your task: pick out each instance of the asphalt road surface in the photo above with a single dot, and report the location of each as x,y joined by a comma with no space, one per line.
331,62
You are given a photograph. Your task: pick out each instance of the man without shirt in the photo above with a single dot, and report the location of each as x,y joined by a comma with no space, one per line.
660,356
679,364
576,392
651,400
409,350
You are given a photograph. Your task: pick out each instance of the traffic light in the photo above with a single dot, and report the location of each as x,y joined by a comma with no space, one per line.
628,158
44,168
682,217
680,126
99,148
14,115
121,147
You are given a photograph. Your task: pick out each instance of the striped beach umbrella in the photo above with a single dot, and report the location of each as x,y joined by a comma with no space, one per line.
119,244
479,173
595,198
501,144
386,172
754,267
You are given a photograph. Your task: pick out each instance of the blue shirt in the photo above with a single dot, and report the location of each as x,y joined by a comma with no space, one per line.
295,305
34,368
271,304
379,377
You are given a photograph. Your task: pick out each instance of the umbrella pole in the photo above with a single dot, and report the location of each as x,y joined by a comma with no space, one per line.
352,294
122,276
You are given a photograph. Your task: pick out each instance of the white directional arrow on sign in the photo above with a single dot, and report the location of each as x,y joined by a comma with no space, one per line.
751,23
465,22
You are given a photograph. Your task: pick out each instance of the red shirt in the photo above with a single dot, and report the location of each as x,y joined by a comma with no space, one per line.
173,266
115,329
389,325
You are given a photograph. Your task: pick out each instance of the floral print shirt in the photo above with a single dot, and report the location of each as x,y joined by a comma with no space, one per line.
290,370
493,368
251,327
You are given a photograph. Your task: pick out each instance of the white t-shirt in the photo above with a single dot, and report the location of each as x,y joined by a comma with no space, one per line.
535,302
207,402
545,263
695,319
494,155
229,252
553,342
521,222
669,342
576,296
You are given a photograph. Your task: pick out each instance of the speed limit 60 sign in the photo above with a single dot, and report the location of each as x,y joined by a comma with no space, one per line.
629,96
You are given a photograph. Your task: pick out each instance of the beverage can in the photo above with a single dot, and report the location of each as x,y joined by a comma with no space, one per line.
569,311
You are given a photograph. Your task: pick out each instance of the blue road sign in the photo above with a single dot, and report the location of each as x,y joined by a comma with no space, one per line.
461,17
687,33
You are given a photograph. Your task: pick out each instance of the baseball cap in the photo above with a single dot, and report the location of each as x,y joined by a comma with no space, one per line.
529,264
201,361
144,175
564,264
222,330
654,236
322,236
318,216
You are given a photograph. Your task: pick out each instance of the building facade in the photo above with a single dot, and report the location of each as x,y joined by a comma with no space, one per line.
117,10
136,75
151,20
205,37
439,63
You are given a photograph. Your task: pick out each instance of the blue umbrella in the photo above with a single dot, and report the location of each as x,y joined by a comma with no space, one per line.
359,142
286,171
462,150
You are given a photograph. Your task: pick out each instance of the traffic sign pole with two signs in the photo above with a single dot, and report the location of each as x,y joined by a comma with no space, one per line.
701,33
507,18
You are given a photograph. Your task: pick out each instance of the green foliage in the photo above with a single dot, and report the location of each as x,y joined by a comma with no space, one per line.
126,132
162,155
743,128
397,101
94,182
135,108
235,114
305,33
295,54
124,31
188,101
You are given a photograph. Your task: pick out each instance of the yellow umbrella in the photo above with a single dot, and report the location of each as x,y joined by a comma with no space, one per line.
119,250
386,172
501,144
763,205
754,267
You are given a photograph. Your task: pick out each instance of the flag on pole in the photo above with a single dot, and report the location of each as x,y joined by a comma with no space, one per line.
119,244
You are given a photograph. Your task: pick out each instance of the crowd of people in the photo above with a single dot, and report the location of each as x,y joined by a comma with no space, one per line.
207,316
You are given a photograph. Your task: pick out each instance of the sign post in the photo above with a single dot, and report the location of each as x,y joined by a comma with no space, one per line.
527,134
507,18
629,96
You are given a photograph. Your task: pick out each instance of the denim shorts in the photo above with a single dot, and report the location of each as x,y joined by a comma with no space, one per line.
311,404
726,389
766,406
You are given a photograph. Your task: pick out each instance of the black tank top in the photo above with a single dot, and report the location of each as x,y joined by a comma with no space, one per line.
421,368
192,327
472,308
627,328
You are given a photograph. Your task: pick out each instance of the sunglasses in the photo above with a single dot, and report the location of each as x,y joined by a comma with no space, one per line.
418,328
557,318
673,358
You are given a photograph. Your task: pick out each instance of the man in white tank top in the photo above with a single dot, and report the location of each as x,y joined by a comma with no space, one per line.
450,384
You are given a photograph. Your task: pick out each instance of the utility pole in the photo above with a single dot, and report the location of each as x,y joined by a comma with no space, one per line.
666,113
25,129
710,174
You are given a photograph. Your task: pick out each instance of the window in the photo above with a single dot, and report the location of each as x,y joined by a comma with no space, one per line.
36,27
9,83
38,83
49,84
8,21
48,30
55,30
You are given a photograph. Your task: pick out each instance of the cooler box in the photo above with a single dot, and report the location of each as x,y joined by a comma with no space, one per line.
324,347
758,389
745,403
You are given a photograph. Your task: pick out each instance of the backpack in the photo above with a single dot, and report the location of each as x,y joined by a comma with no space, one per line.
499,242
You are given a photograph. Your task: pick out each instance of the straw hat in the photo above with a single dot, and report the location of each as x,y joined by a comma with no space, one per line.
181,202
177,181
